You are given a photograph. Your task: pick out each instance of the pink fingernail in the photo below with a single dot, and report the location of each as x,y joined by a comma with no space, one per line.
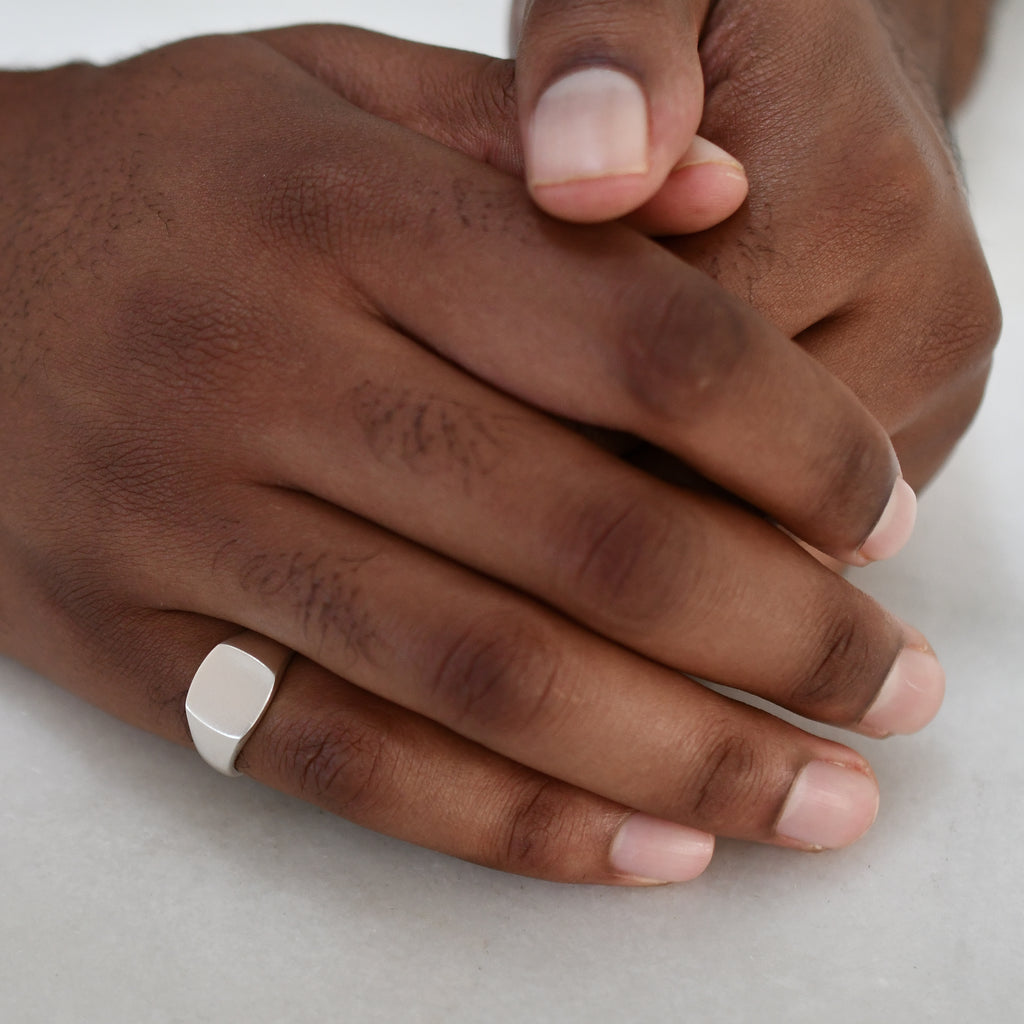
652,850
590,124
702,151
912,693
893,530
828,806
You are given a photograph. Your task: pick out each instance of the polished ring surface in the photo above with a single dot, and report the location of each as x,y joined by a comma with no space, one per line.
229,694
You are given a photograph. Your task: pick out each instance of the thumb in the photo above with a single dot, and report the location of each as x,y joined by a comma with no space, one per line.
610,97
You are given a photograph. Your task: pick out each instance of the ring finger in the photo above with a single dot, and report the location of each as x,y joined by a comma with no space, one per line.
385,768
508,674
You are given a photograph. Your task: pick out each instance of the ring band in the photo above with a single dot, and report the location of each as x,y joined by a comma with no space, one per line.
229,694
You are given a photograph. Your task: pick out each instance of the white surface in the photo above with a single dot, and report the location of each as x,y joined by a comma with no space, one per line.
136,885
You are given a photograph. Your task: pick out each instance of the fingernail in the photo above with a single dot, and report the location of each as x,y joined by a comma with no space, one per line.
702,151
893,530
829,806
590,124
655,851
912,693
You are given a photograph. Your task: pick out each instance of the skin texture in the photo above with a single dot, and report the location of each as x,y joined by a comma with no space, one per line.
945,39
272,358
856,239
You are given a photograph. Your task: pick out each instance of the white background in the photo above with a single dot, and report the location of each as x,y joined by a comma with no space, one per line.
137,886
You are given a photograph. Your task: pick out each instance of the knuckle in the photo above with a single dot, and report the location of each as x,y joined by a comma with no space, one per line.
903,196
75,594
681,349
296,205
843,660
850,483
627,558
963,328
339,762
897,189
321,205
189,336
726,783
500,673
491,133
534,835
133,472
986,325
499,98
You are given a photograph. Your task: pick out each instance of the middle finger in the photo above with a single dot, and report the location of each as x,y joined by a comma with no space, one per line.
438,458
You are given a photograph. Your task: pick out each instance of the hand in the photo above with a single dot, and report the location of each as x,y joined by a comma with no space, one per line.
269,361
856,240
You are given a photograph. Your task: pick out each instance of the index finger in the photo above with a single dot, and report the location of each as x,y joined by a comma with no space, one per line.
603,326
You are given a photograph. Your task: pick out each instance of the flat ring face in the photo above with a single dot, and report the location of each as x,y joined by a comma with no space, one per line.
229,693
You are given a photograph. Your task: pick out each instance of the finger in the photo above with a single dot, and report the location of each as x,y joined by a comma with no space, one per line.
941,386
595,324
467,101
439,459
705,188
605,328
926,444
502,671
388,769
890,252
330,743
610,98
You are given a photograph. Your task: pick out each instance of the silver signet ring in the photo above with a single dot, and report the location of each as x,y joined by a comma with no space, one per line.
229,694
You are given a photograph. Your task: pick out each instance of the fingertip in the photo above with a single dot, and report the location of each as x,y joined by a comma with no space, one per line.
608,103
591,123
594,202
829,806
587,146
704,151
891,531
912,693
894,528
705,188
